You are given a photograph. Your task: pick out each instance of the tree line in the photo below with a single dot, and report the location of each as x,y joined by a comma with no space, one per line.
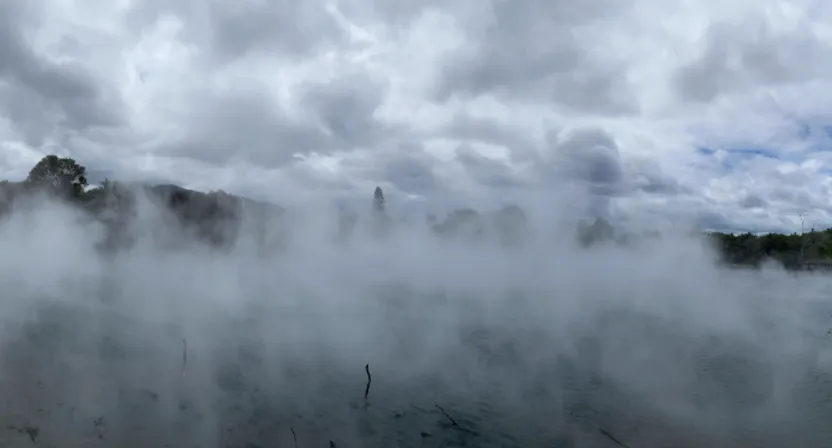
215,218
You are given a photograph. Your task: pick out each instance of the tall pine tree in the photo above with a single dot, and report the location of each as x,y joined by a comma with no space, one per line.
378,201
379,217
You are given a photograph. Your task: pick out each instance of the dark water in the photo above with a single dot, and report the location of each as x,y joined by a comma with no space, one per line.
122,386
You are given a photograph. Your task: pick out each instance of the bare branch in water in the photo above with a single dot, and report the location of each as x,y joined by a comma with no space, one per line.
30,431
294,436
184,355
453,422
369,381
610,436
98,423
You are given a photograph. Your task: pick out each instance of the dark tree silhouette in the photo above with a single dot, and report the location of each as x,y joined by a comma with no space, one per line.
461,222
599,231
216,218
381,223
378,200
60,175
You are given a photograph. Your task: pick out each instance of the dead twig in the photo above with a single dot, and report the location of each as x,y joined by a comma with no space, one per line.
611,437
184,355
294,436
30,431
98,423
369,381
453,422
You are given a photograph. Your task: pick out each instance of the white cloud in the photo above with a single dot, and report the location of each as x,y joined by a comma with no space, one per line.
452,102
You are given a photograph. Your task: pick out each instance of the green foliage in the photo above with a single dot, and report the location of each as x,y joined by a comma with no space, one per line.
791,250
59,175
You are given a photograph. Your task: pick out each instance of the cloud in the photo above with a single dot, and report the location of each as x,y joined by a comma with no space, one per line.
211,94
750,54
534,50
487,171
38,94
345,109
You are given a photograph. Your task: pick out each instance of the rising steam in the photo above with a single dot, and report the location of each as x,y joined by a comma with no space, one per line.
541,343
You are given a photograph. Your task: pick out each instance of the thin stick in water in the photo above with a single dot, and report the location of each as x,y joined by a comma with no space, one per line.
30,431
369,381
294,436
184,355
453,422
610,436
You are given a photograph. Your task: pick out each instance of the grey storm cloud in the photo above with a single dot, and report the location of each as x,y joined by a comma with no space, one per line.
588,156
404,165
286,25
411,170
753,201
521,49
470,129
246,124
587,159
647,175
345,108
399,12
739,56
530,49
232,30
160,89
38,95
488,172
47,100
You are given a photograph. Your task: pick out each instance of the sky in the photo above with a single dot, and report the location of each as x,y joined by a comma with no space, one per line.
718,112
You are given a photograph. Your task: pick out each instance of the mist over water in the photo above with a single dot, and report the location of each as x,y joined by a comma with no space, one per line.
543,344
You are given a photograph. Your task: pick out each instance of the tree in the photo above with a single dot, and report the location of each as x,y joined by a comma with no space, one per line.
598,232
380,222
61,175
378,200
461,222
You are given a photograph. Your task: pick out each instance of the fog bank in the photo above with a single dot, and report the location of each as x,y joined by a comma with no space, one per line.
543,343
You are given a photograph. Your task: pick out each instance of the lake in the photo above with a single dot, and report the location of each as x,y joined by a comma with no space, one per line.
110,375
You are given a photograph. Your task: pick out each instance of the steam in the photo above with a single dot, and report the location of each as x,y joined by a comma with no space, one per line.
546,342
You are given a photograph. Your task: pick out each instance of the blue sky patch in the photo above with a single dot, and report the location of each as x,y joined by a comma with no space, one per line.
738,154
754,152
828,130
741,151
